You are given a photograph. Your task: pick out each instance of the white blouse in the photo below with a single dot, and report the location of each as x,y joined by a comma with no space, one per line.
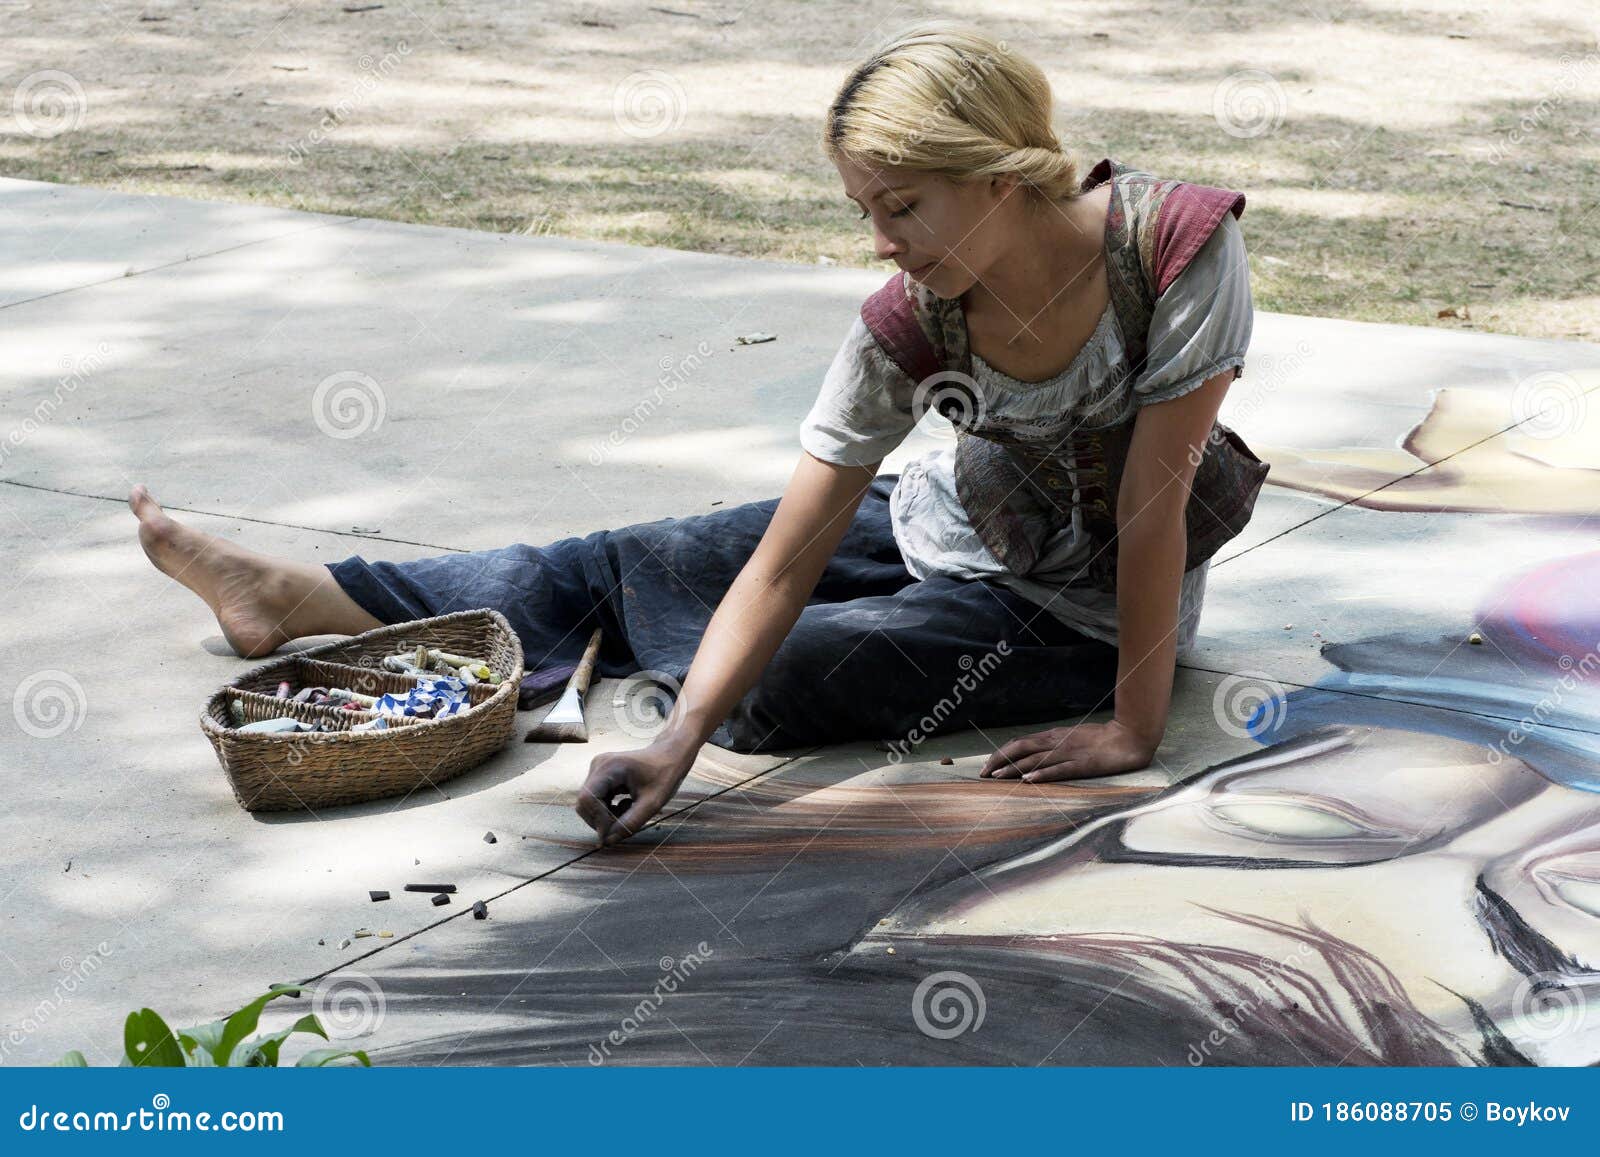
1200,327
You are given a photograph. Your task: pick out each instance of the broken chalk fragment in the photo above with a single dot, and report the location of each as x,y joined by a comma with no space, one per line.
1475,638
440,899
755,338
480,910
344,944
488,838
378,895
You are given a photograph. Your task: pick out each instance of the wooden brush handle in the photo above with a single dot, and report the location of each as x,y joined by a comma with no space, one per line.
581,676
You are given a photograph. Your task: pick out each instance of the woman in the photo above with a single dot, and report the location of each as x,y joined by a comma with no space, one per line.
1080,334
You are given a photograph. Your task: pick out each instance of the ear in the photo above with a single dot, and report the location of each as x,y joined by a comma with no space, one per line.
1003,185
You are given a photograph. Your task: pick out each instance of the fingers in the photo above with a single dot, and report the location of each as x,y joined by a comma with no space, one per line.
606,779
1059,770
1020,767
630,821
1003,764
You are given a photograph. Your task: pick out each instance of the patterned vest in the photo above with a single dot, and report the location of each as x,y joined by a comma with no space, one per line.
1018,487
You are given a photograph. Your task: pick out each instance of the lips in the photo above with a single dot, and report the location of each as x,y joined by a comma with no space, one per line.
922,269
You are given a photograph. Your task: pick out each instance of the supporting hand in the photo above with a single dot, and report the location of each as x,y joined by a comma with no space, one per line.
1079,752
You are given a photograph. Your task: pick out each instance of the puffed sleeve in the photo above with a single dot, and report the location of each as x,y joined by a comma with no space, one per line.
1201,324
864,409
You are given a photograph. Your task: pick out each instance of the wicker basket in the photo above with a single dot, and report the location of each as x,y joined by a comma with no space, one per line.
315,769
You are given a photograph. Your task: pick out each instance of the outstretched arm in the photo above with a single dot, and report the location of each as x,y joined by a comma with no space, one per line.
1168,441
749,625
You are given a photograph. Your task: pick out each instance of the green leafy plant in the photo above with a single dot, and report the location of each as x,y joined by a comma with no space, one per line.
148,1042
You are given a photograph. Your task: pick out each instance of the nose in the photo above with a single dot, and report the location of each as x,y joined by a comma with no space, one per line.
884,247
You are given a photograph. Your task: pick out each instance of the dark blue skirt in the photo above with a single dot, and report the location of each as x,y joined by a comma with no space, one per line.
876,653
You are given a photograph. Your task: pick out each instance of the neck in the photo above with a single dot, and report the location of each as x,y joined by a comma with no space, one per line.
1051,262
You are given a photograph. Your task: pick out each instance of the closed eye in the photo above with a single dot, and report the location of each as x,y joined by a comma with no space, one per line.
1578,891
895,213
1293,818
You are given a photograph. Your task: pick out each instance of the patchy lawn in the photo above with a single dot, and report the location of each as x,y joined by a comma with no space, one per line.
1401,158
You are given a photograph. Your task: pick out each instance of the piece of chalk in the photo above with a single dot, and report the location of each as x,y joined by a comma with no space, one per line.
488,838
430,887
376,896
282,725
440,899
480,910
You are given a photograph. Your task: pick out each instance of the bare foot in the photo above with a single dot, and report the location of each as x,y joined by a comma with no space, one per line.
254,597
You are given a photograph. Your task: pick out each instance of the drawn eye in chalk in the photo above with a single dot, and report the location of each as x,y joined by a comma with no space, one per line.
946,403
1293,817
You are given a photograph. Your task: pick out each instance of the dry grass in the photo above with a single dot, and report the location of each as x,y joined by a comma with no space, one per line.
1417,156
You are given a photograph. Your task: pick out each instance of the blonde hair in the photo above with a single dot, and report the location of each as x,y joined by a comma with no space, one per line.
941,97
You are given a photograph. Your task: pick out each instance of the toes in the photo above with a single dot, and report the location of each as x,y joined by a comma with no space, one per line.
140,500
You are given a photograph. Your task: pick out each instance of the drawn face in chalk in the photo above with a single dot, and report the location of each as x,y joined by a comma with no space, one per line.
1460,874
1540,905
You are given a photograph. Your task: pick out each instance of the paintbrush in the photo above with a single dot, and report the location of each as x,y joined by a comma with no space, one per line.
565,723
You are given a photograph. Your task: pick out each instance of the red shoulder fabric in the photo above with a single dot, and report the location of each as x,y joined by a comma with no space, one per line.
1187,217
888,313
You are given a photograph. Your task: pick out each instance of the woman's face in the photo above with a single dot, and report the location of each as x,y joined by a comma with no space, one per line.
944,233
1460,875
